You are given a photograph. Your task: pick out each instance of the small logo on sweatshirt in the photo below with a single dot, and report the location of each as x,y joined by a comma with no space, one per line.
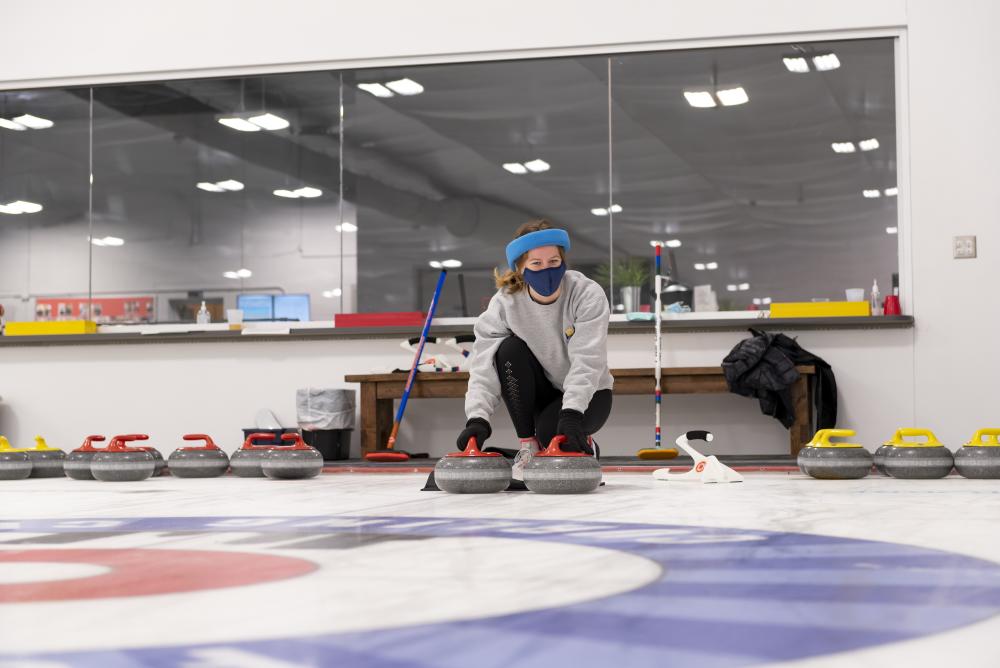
570,331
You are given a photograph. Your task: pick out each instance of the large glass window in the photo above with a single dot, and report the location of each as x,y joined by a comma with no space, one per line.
769,172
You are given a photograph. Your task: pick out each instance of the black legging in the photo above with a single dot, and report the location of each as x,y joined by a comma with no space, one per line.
533,402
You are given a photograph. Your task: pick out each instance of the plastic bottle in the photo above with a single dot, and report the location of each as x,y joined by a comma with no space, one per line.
876,301
203,317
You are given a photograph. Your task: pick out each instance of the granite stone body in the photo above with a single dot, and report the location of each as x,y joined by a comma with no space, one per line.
198,463
562,475
472,475
835,463
46,463
247,463
14,466
77,464
879,457
918,463
292,464
123,466
982,462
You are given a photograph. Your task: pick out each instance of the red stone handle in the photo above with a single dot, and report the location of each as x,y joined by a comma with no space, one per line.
472,450
208,444
298,443
251,442
88,443
555,451
119,443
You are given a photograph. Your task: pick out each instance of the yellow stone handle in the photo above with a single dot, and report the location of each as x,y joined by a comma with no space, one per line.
977,438
5,444
823,436
40,444
899,438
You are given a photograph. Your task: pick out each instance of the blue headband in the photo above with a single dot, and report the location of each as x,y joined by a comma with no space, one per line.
532,240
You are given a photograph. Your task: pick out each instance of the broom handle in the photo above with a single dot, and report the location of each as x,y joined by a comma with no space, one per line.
416,361
659,360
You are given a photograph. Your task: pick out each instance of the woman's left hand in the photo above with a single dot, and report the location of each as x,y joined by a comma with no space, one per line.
571,426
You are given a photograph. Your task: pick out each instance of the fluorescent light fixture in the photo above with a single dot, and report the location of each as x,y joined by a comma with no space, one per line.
330,294
744,287
405,87
19,207
891,192
599,212
766,300
244,273
308,192
868,144
655,243
758,301
537,165
210,187
435,264
712,266
699,266
672,243
731,97
615,208
700,99
824,62
891,230
11,125
676,287
269,121
230,184
376,89
240,124
34,122
347,227
230,274
872,193
843,147
796,64
108,241
286,193
451,264
515,168
731,287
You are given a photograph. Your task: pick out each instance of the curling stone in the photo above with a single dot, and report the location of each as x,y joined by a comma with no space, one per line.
46,461
472,471
824,460
198,461
246,462
121,463
14,463
553,471
879,457
77,463
923,461
979,458
294,462
159,463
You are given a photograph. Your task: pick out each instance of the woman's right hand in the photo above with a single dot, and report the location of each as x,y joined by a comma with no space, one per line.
477,428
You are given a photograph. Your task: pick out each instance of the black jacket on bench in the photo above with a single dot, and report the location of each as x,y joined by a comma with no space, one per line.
763,366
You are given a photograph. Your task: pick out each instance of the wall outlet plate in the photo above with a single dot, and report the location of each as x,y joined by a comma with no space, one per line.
964,247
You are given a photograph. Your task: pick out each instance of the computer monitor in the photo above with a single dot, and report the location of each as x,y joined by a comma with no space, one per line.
291,307
256,307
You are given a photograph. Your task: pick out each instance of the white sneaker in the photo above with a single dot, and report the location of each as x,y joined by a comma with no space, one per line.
524,455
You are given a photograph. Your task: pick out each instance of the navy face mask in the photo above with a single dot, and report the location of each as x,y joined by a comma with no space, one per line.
545,281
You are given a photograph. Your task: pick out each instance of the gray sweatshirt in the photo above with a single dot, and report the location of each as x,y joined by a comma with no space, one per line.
569,337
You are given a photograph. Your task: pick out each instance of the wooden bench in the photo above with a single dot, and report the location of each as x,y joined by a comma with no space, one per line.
379,390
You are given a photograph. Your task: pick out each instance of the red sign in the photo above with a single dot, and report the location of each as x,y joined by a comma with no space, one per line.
103,309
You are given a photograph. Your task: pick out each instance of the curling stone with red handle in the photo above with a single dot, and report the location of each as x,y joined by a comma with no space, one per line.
472,471
77,463
246,462
198,461
120,462
292,462
554,471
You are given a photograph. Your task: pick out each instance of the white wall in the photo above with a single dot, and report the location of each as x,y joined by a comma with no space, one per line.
939,375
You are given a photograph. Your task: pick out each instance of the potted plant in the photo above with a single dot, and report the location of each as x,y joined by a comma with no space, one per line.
630,274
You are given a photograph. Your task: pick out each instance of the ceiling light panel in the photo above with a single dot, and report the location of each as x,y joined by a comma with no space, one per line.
537,165
796,64
515,168
843,147
240,124
871,193
824,62
405,87
700,99
731,97
868,144
376,89
11,125
34,122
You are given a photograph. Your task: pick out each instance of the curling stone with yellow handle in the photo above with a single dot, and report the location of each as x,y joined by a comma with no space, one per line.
14,462
879,457
923,460
980,457
46,461
824,460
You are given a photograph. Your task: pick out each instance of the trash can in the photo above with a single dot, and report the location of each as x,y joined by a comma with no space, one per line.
326,417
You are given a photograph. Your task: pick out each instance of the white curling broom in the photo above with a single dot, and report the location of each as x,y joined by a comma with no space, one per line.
705,469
